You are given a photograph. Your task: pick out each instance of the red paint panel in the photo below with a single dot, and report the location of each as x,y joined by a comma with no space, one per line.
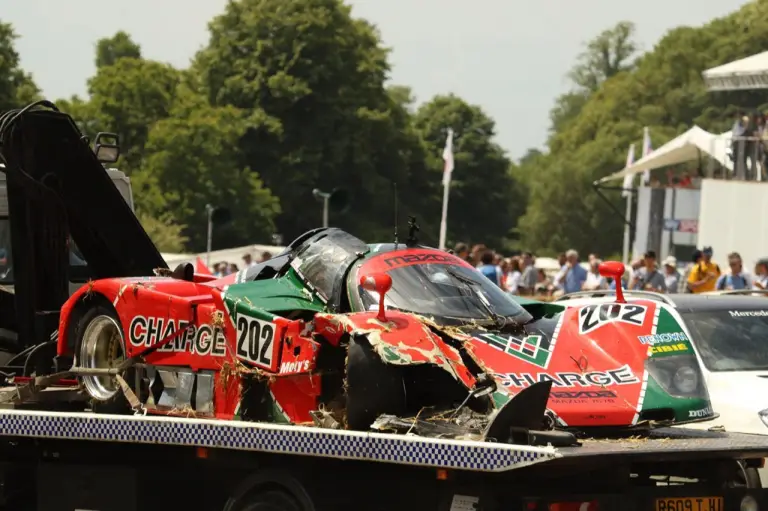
595,363
408,257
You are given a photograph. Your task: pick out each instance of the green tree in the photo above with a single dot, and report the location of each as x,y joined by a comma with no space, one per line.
605,56
128,97
195,161
663,90
485,201
311,79
110,49
16,86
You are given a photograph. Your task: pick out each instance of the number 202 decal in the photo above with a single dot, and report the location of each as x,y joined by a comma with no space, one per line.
592,317
255,340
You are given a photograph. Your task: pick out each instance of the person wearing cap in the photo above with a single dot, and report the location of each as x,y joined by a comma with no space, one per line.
737,278
704,274
671,275
648,278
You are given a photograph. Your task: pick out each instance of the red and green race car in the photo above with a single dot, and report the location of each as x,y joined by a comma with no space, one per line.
335,332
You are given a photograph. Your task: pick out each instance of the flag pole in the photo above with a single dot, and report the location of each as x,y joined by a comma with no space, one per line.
447,172
444,218
627,194
627,216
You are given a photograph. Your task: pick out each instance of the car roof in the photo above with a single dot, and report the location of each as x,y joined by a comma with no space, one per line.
683,302
706,302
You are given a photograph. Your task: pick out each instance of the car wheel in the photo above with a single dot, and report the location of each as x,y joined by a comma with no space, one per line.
744,477
100,344
270,500
373,387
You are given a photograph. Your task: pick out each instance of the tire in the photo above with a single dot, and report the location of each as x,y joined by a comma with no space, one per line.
373,387
752,478
745,477
92,339
269,500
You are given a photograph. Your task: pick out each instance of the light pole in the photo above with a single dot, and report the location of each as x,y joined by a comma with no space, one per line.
210,209
325,197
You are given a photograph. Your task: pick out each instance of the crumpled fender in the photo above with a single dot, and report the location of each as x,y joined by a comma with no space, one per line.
403,340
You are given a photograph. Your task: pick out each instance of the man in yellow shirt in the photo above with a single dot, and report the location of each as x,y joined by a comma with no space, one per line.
704,273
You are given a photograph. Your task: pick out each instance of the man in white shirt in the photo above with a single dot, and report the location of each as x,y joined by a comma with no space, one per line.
594,280
248,261
737,278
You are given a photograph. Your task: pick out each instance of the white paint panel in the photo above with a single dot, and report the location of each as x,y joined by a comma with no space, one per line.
686,208
642,220
734,218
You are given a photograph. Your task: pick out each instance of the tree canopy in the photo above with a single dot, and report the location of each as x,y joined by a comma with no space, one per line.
289,96
614,96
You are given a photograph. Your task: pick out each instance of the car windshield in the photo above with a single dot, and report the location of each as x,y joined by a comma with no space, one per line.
322,261
446,290
730,340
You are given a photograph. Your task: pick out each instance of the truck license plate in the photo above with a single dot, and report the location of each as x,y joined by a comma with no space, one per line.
690,504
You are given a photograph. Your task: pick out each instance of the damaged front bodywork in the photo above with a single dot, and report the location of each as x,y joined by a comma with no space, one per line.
340,334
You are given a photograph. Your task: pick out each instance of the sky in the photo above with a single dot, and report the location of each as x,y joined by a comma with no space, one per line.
508,56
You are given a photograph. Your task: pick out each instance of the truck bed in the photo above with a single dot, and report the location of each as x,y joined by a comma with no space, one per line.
669,443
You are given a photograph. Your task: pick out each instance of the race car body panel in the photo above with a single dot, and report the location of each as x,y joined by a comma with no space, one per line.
276,338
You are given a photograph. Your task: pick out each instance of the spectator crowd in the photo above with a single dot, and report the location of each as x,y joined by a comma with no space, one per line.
224,268
519,275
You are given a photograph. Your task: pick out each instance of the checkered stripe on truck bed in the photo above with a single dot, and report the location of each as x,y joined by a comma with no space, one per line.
273,438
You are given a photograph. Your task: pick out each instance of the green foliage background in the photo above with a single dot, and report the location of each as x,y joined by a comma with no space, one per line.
292,95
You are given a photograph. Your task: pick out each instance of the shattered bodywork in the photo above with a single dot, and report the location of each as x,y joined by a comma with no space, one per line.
306,339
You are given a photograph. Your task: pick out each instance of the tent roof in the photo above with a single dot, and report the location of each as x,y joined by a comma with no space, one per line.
744,74
683,149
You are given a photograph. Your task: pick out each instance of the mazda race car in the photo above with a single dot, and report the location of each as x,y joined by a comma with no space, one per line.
399,337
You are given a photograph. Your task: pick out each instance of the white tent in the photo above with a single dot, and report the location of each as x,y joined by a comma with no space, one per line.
745,74
230,255
686,148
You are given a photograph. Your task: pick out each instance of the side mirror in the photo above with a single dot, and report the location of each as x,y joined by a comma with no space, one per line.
381,283
107,147
614,270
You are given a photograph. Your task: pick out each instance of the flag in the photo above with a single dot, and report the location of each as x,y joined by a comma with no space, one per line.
448,158
201,268
647,149
627,186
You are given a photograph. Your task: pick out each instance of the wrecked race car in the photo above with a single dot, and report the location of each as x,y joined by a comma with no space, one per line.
397,337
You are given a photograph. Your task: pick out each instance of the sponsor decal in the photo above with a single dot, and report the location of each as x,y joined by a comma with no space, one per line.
419,258
662,338
255,340
619,376
593,317
147,331
583,394
695,414
748,314
670,348
294,367
534,349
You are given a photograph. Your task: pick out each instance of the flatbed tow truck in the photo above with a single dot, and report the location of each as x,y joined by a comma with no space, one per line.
55,454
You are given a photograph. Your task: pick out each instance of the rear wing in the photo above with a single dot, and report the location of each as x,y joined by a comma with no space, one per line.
603,293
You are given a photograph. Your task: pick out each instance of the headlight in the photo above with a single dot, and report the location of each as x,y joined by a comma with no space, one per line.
678,375
763,414
686,380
